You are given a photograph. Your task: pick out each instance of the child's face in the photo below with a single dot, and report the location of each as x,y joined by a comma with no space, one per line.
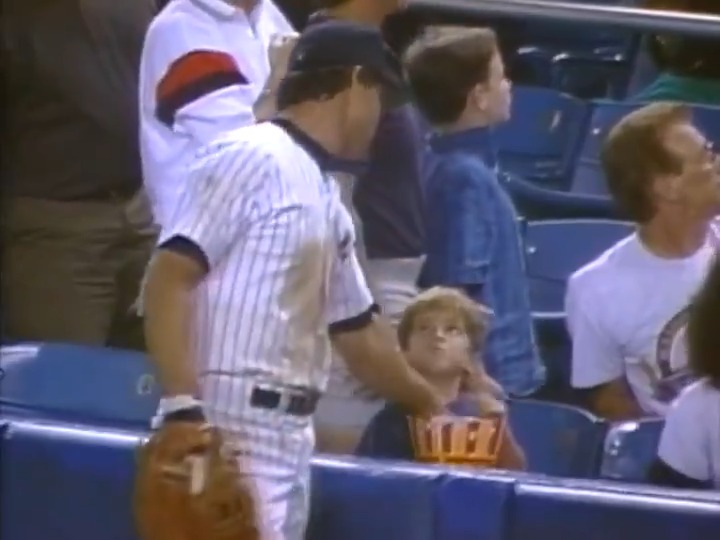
438,343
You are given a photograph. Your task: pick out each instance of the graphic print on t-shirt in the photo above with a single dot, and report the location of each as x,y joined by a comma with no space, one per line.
669,373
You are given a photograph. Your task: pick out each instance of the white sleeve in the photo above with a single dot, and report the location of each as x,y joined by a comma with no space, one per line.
683,445
348,296
596,358
218,203
200,88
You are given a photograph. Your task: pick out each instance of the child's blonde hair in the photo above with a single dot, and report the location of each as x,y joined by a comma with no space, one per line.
474,316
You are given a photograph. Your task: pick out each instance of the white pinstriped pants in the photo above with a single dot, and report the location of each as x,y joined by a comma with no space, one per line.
274,452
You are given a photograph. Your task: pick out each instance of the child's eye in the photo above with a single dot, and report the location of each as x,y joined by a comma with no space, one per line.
453,329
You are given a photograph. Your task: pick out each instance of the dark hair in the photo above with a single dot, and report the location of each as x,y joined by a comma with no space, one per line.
634,154
327,4
703,335
319,85
444,64
685,55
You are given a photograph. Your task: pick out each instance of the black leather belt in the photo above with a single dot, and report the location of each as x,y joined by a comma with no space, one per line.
297,402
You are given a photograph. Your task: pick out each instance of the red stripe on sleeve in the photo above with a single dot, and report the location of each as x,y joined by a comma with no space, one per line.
192,76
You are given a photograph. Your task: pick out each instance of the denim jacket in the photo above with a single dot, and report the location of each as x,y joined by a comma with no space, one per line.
474,243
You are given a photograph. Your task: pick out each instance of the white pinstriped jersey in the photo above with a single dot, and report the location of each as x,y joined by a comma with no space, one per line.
280,247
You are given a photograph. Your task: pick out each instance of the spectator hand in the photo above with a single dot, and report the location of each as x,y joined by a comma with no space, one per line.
281,46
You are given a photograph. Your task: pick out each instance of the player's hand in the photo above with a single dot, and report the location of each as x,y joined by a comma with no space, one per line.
427,403
484,390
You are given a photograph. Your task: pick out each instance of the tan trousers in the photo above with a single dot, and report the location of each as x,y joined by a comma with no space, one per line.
71,270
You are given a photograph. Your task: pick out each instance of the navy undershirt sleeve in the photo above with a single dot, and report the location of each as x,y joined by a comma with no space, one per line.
186,247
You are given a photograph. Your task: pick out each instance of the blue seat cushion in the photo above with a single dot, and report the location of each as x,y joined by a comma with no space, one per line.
595,511
363,500
472,505
65,483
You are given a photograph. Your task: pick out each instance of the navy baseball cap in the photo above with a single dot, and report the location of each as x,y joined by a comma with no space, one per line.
342,44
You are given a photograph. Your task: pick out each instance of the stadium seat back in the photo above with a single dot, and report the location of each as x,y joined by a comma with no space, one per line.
630,448
64,482
593,511
361,500
540,139
558,440
76,383
588,177
557,248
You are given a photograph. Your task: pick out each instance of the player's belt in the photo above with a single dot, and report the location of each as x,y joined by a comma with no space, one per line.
297,401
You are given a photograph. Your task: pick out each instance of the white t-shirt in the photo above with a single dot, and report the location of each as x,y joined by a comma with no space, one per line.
690,441
627,312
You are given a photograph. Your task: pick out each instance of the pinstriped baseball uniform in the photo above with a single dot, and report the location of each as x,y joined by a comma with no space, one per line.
279,246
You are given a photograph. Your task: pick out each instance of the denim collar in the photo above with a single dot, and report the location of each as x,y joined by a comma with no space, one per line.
478,142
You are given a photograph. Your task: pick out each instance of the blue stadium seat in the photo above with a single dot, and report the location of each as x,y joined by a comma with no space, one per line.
586,60
75,383
588,177
593,511
557,248
362,500
630,448
534,201
66,483
558,440
471,505
540,139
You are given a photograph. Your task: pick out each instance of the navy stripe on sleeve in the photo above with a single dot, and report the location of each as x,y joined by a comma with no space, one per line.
358,322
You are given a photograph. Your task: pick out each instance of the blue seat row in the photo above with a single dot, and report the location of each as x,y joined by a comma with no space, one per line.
554,140
102,388
65,482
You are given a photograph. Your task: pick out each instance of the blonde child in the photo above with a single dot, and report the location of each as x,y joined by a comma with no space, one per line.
441,333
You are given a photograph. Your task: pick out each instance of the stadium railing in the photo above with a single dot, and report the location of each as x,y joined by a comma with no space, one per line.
67,482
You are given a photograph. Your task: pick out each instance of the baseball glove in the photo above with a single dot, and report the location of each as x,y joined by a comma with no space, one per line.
187,487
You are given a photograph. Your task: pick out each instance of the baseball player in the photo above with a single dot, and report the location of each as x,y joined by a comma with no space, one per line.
204,69
256,275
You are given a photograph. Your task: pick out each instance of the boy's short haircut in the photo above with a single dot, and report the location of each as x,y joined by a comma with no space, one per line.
444,64
475,317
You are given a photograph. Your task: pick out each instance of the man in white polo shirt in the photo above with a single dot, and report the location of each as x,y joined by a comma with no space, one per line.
204,69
